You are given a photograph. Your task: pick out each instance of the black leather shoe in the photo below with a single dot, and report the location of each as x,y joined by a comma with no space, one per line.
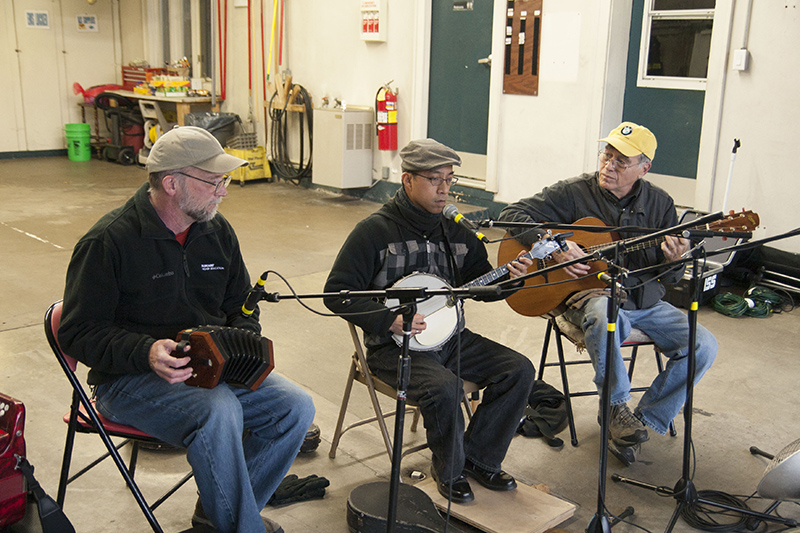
491,480
461,491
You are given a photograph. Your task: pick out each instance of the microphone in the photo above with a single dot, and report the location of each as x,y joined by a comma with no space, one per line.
605,278
450,211
254,296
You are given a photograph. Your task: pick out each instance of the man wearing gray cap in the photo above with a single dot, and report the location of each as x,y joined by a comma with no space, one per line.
407,235
618,195
163,262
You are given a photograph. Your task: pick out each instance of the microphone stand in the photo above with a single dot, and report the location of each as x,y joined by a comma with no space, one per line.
684,491
600,522
409,308
407,296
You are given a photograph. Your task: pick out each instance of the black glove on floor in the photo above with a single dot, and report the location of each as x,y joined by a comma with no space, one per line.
292,489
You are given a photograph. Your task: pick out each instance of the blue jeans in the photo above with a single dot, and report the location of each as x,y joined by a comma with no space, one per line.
508,377
236,476
669,329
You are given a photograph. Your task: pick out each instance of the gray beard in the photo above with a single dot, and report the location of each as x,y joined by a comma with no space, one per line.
196,213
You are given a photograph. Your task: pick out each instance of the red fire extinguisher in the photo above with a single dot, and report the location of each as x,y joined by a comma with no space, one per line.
386,115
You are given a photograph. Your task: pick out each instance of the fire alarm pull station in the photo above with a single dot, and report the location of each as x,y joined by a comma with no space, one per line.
373,20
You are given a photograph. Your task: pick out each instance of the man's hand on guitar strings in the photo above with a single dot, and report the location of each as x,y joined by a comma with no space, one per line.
674,247
574,252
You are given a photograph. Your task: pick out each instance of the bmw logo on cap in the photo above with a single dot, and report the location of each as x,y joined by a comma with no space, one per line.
627,130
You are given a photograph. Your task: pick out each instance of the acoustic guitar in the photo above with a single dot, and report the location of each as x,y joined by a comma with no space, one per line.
551,289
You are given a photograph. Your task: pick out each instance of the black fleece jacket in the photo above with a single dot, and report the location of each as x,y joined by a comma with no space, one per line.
396,241
130,282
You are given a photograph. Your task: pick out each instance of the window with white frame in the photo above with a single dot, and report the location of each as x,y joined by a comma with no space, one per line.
676,40
182,28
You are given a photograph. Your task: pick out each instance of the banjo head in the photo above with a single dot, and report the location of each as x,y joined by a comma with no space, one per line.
441,313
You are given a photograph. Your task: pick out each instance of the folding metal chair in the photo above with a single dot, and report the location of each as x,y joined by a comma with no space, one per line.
84,418
563,328
359,372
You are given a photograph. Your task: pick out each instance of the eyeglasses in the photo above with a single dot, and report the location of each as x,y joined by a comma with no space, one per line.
224,182
619,164
436,182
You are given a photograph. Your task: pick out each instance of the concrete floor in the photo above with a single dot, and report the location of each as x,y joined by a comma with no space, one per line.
744,400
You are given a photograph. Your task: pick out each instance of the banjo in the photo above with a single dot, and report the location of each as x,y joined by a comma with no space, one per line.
442,313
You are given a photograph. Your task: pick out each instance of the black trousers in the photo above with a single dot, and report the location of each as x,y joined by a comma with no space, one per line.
506,377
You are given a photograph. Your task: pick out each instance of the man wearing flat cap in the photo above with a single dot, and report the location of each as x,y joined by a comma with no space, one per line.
618,195
163,262
409,235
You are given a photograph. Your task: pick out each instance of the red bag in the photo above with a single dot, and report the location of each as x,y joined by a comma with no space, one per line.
13,493
91,92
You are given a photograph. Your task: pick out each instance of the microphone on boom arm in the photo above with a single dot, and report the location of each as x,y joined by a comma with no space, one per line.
450,211
255,295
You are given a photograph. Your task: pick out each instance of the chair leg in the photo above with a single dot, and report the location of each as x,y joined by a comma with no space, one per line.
172,491
134,458
337,433
565,384
545,348
376,406
415,420
65,462
123,469
634,352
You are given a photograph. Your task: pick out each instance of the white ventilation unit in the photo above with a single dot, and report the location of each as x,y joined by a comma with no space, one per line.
343,147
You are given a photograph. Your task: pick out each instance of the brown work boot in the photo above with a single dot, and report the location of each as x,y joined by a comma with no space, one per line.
623,427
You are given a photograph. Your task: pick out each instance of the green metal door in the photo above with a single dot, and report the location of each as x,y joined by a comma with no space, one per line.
675,116
458,100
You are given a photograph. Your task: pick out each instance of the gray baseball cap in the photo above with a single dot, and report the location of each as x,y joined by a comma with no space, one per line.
427,154
189,146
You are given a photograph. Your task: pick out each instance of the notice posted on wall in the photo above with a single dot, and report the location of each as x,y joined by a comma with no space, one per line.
87,23
39,20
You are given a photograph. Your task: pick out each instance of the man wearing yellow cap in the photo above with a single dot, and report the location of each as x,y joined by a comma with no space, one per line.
618,195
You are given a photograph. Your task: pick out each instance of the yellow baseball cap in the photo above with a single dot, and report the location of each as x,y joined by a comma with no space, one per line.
632,139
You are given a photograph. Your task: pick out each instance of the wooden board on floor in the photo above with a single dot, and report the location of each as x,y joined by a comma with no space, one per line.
525,510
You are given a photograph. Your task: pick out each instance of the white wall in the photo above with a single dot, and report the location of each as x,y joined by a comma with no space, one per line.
551,136
543,138
761,107
40,66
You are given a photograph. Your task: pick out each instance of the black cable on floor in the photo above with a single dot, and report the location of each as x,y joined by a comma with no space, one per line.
710,518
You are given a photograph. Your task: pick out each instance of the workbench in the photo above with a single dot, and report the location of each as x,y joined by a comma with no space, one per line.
183,105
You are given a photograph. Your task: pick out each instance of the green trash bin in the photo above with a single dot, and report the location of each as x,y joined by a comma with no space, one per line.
79,145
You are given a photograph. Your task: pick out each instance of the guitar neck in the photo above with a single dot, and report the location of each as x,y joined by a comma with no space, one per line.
488,278
641,246
538,250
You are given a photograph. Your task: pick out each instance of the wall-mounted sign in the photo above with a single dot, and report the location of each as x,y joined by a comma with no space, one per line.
39,20
87,23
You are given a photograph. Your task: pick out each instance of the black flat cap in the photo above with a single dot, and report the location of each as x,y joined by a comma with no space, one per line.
427,154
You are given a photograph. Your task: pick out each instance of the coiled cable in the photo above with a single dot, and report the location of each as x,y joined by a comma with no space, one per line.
278,143
758,302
